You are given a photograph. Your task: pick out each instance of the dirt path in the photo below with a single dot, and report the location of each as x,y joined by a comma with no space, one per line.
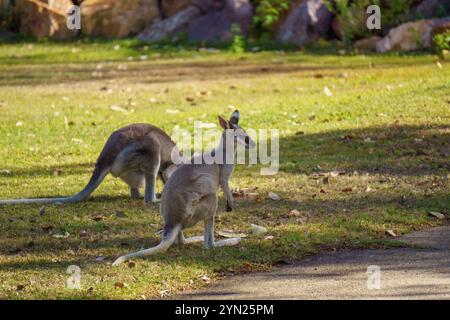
405,274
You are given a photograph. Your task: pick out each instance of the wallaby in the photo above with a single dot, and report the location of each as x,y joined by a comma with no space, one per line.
136,153
190,195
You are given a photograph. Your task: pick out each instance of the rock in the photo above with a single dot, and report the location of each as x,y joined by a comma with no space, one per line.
209,5
164,29
172,7
431,9
367,44
306,23
46,20
436,215
216,25
410,36
116,19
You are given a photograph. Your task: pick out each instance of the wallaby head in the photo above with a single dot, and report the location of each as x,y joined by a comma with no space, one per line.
232,130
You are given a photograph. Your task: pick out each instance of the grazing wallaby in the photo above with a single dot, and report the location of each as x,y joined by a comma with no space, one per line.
137,153
190,195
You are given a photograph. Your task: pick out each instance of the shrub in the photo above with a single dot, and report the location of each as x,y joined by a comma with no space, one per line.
267,13
442,41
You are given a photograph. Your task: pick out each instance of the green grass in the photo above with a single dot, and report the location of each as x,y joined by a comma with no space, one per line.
62,94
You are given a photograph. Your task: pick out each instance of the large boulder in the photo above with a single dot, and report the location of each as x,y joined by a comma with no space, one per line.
167,28
172,7
410,36
431,9
116,19
48,19
306,23
367,44
217,25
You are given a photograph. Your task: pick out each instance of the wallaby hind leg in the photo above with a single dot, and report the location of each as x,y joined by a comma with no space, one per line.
209,204
151,172
134,193
209,231
150,182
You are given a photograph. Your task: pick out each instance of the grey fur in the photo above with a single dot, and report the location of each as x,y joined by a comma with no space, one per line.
190,195
137,154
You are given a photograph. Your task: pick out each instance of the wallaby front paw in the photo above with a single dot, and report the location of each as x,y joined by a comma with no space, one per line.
229,208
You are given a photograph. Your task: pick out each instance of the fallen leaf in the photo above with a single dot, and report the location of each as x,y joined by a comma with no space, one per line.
327,91
268,237
325,180
436,214
98,217
245,193
227,234
20,287
119,109
390,233
164,293
120,285
83,233
61,236
172,111
274,196
294,213
100,258
258,229
205,278
347,190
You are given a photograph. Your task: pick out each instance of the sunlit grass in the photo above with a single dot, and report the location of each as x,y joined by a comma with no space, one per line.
386,126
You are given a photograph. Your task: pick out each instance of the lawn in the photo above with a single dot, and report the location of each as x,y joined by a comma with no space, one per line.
368,157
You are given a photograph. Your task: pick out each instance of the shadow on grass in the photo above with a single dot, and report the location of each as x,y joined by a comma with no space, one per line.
147,72
335,214
392,150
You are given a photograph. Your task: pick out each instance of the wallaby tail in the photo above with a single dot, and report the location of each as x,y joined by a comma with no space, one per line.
97,177
165,244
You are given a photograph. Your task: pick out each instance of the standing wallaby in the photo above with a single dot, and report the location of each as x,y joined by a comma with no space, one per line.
190,195
137,153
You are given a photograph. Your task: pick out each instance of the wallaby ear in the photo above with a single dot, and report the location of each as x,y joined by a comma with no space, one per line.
234,119
224,123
